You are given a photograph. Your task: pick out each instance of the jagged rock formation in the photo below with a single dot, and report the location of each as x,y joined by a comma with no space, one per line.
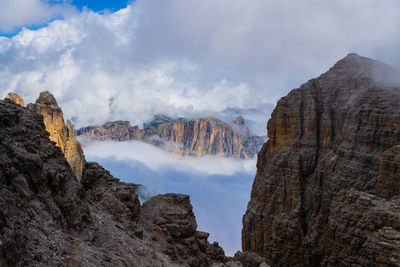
195,137
49,218
15,98
327,188
62,135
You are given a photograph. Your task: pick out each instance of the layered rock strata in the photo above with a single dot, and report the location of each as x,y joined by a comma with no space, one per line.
187,138
327,188
62,135
49,218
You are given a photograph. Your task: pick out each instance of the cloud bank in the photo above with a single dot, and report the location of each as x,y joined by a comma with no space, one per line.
187,58
156,159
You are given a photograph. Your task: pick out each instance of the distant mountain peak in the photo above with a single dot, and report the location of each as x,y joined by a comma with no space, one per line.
239,120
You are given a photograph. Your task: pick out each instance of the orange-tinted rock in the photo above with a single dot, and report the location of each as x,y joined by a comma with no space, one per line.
194,137
73,152
15,98
327,187
63,136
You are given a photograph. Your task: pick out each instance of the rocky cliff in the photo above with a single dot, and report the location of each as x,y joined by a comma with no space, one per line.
62,135
194,137
49,218
16,99
327,188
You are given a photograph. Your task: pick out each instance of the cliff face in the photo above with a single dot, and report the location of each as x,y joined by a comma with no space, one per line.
327,188
49,218
62,135
195,137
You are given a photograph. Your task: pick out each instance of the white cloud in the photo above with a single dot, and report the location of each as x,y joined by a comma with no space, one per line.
188,58
157,159
17,13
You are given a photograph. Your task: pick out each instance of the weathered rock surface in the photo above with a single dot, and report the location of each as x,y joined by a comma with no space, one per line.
15,98
49,218
62,135
194,137
327,188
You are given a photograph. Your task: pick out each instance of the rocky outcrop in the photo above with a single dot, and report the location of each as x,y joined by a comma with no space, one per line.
194,137
49,218
327,188
62,135
15,98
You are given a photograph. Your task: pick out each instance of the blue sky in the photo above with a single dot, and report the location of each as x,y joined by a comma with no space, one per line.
100,5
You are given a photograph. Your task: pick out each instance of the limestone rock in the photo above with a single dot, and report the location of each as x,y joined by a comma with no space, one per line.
327,186
73,152
39,195
169,220
15,98
62,135
187,138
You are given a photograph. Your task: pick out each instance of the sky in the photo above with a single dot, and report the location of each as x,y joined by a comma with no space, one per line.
130,60
110,60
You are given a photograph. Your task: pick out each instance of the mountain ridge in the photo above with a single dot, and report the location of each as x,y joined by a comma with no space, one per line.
197,137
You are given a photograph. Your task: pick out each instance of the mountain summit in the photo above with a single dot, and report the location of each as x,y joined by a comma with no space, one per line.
327,187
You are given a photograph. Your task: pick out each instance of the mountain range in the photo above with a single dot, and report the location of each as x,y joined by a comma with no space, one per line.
196,137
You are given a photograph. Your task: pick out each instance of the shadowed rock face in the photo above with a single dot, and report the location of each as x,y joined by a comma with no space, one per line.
53,119
49,218
327,188
195,137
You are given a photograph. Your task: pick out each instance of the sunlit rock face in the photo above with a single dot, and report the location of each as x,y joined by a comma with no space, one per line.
62,135
187,138
327,188
15,98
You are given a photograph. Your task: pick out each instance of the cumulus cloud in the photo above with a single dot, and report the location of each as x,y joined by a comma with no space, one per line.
17,13
157,159
190,58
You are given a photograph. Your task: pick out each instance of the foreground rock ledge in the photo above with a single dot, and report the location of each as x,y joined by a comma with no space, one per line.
327,188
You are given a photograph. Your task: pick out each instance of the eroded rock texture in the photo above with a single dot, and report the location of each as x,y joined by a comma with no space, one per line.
63,135
15,98
49,218
327,188
195,137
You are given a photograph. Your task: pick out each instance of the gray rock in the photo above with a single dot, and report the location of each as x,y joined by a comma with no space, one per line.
327,186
